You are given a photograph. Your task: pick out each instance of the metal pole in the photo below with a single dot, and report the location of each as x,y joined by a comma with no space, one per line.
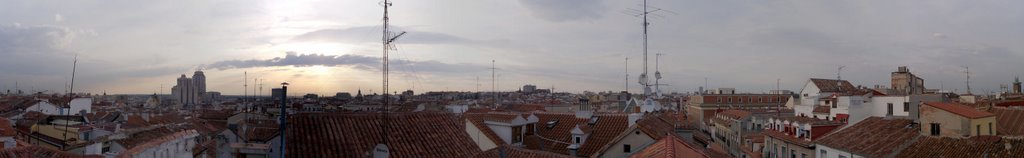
284,115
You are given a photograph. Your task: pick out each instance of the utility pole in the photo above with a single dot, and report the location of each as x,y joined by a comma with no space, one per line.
494,86
284,116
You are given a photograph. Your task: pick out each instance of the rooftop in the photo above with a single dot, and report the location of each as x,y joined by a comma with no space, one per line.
669,147
985,146
409,134
961,110
1009,121
873,137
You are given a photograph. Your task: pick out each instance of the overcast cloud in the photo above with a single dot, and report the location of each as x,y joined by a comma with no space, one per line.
576,45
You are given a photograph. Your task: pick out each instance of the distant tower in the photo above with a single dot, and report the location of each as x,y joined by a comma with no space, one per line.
184,91
1016,85
199,82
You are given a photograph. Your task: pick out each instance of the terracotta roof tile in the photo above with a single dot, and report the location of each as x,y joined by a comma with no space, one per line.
830,85
822,109
960,147
961,110
556,139
1009,121
669,147
735,114
6,129
40,152
417,134
873,137
478,121
513,152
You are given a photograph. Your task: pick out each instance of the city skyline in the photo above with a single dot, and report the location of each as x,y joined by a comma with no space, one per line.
328,47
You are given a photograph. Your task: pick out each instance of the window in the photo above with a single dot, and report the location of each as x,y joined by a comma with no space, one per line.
803,155
625,148
977,130
517,134
841,156
792,153
935,129
719,99
730,99
823,153
530,128
889,112
577,140
990,128
906,106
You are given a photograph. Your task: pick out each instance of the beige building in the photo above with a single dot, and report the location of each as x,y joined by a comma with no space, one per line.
955,120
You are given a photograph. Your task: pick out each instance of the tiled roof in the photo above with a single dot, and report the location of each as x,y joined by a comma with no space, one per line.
669,147
787,138
151,143
961,110
478,121
6,129
1009,121
141,137
960,147
607,127
40,152
735,114
822,109
516,153
655,125
808,120
830,85
1011,103
873,137
417,134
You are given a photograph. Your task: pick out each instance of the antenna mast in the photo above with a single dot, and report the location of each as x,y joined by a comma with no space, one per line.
967,71
840,72
627,74
643,76
387,39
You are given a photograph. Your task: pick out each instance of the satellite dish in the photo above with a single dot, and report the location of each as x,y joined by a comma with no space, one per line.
657,74
643,79
381,151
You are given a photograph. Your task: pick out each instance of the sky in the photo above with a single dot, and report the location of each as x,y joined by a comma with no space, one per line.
324,47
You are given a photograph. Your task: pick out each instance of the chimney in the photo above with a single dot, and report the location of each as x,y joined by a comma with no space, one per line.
633,117
573,149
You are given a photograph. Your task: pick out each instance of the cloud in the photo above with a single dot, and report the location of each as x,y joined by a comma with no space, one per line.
566,10
371,34
30,46
361,62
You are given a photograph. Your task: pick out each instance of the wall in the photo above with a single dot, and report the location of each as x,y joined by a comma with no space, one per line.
984,123
478,136
45,108
774,147
80,104
635,141
950,125
503,132
833,153
8,142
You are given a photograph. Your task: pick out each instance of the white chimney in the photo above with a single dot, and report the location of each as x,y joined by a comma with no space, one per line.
634,117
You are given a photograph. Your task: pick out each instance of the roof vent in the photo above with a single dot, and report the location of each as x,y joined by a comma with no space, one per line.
552,123
593,120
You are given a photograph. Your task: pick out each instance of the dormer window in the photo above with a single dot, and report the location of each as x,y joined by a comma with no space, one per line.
577,140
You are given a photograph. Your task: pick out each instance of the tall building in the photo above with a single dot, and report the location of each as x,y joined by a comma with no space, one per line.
189,91
906,83
1016,85
199,82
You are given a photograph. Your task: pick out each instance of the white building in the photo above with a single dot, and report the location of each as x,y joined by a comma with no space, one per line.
177,145
45,107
